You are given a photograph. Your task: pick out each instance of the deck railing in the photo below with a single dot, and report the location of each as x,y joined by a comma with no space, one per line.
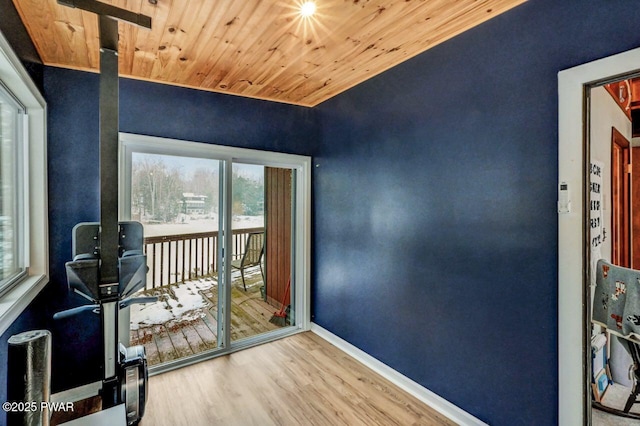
179,258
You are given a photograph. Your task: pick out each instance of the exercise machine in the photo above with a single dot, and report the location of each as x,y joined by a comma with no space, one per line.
108,264
124,368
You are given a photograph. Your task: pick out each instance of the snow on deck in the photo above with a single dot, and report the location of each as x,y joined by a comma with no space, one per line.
183,302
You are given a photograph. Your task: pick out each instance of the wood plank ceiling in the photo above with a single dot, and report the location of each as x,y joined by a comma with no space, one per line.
258,48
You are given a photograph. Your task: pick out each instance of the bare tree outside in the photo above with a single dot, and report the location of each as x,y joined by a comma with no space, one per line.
167,191
156,191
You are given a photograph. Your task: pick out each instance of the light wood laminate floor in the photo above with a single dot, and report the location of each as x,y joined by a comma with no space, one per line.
299,380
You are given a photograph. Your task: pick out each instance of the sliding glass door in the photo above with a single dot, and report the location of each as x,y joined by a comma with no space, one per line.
225,239
262,250
176,198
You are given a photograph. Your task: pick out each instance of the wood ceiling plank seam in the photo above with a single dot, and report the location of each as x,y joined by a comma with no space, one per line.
130,62
126,48
229,58
465,18
134,59
304,65
347,51
396,41
317,98
371,40
167,49
446,26
39,21
453,27
122,4
134,6
387,35
64,33
128,35
323,28
314,69
188,38
269,43
196,47
146,42
272,63
269,75
218,63
150,49
356,77
257,31
71,29
114,3
297,89
294,82
214,30
334,36
300,84
92,39
295,65
262,86
370,15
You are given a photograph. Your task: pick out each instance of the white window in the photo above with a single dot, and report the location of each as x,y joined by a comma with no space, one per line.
23,200
12,213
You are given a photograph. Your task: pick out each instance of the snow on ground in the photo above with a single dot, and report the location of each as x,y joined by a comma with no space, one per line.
201,225
179,303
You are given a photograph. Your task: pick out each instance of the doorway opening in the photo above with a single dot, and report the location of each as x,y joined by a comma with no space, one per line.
574,276
613,203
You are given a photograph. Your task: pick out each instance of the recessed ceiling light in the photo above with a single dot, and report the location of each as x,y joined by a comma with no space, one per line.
307,9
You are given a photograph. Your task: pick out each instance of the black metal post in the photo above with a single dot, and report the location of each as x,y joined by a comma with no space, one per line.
109,227
109,128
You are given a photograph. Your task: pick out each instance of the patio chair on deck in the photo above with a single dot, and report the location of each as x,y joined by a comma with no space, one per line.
252,256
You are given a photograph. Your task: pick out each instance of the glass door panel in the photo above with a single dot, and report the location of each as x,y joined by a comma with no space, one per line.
177,200
261,250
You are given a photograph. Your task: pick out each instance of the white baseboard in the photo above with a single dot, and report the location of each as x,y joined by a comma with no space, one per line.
436,402
77,394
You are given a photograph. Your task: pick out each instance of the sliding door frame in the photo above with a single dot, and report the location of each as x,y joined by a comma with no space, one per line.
301,230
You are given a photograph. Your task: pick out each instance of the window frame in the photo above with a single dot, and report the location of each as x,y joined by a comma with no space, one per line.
130,143
35,236
19,208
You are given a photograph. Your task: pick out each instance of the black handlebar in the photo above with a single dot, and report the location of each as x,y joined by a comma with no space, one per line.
123,304
74,311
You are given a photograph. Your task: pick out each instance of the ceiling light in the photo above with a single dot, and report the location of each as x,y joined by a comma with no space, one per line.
307,9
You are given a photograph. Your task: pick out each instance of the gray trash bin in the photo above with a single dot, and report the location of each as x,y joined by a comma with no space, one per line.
29,377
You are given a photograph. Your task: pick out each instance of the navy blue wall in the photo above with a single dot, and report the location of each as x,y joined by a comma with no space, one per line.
435,227
435,207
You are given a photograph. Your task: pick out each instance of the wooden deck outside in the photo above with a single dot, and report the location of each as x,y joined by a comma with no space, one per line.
196,332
